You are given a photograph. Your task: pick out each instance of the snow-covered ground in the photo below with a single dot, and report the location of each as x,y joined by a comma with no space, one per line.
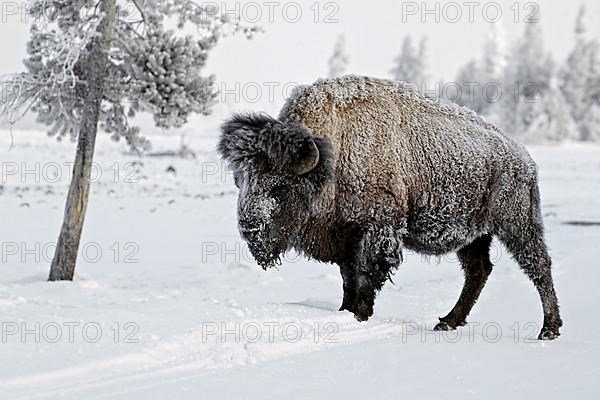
167,302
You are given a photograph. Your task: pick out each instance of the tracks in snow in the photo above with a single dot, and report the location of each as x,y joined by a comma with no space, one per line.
266,333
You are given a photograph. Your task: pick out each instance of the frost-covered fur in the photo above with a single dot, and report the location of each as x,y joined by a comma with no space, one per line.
395,170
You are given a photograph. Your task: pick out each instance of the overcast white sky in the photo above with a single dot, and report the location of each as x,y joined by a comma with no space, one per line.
290,51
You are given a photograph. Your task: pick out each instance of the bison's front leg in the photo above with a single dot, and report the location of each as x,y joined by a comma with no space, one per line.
378,254
350,287
359,292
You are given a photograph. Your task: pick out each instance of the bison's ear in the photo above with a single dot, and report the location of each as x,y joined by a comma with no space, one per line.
299,153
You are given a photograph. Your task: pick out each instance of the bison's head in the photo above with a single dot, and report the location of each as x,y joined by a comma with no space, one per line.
279,168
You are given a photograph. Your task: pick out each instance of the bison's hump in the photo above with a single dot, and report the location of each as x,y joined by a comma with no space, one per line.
324,96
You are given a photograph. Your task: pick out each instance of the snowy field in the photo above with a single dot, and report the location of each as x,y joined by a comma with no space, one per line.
168,303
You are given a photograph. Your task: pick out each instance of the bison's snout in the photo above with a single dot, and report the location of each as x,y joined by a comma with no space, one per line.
261,241
254,235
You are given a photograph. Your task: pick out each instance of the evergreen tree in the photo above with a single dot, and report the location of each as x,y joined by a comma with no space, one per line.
468,79
422,61
525,84
550,119
338,62
494,54
410,65
90,64
531,67
590,124
481,81
579,79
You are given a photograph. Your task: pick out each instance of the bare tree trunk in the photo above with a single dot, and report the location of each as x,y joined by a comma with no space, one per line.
94,71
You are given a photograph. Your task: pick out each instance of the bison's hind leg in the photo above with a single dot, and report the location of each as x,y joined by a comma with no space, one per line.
475,262
529,250
523,236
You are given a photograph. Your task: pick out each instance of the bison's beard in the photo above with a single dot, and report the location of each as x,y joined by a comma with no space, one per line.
267,253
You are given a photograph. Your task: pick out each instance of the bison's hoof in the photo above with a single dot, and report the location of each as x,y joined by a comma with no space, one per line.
548,334
361,317
363,312
445,325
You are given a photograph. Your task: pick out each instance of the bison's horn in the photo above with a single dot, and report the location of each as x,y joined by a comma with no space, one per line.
308,161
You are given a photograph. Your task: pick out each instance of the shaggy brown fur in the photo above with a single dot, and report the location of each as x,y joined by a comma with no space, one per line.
397,170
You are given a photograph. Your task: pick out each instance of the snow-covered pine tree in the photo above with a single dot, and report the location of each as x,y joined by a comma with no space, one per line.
468,80
551,120
525,83
594,89
494,53
422,60
92,64
493,64
579,80
480,81
590,125
410,65
575,73
338,62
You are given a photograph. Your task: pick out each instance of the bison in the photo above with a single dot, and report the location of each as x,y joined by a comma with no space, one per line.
356,169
